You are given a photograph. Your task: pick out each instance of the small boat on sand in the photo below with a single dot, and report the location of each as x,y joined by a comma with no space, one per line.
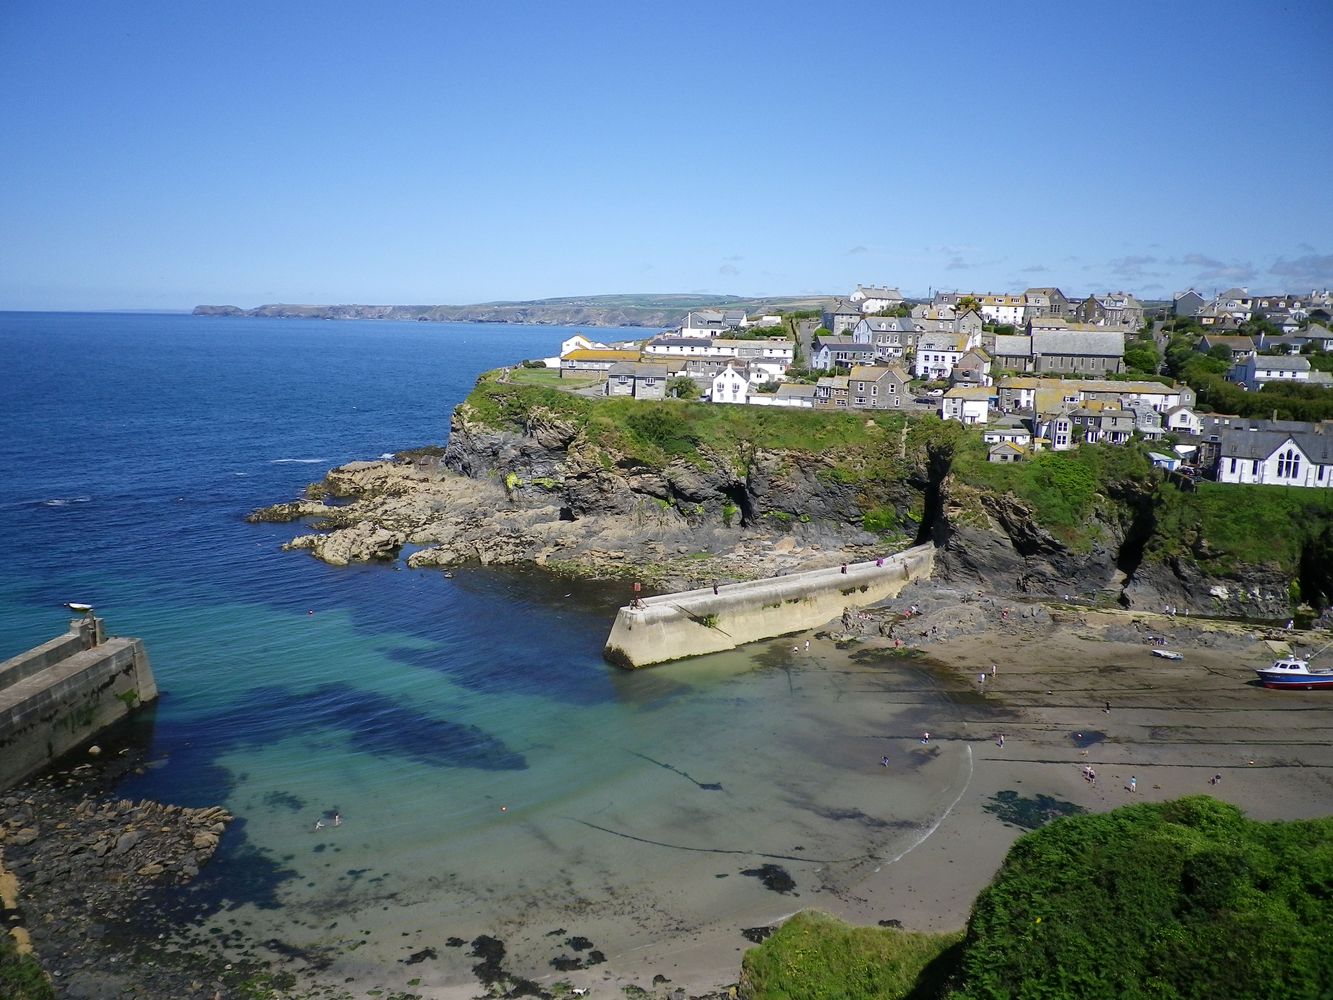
1293,672
1167,654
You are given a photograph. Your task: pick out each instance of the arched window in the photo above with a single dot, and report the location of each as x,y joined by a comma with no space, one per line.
1289,464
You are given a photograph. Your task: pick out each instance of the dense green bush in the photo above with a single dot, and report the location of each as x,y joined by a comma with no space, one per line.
816,957
1177,899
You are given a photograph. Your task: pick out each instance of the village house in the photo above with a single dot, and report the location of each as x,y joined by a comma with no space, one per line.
841,316
946,319
874,299
879,387
832,352
1102,423
1252,372
704,323
831,392
1148,422
638,379
1007,430
792,394
778,350
1277,457
1020,393
1234,302
1004,309
1038,302
1115,309
1006,451
1315,336
591,362
892,336
1239,346
973,368
1187,303
1182,419
1056,429
730,386
969,404
937,353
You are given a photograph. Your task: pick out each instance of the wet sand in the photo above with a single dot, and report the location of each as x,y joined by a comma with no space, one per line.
1172,726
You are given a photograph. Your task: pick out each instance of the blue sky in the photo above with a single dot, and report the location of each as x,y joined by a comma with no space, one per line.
159,155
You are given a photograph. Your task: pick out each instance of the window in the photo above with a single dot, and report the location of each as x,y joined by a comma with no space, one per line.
1288,464
1254,468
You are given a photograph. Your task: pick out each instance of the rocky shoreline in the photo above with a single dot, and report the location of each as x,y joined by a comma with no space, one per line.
94,873
380,508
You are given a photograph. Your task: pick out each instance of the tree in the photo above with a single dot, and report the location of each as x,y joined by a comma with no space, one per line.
968,303
683,387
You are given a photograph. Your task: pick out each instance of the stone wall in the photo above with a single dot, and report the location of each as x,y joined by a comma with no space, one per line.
672,626
64,692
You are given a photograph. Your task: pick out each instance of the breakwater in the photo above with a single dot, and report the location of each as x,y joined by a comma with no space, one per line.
64,692
694,622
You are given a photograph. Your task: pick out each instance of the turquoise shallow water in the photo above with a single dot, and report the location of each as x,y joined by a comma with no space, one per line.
493,774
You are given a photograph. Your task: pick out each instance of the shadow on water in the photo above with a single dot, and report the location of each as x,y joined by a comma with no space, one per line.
368,722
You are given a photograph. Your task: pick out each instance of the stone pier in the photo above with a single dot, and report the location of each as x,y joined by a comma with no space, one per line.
64,692
672,626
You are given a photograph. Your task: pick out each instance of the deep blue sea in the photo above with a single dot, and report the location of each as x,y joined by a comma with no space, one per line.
493,773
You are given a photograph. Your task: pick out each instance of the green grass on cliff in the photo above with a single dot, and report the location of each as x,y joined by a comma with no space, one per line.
1063,489
1229,525
816,957
856,446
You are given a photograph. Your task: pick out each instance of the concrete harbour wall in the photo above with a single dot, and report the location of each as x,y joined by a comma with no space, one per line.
64,692
672,626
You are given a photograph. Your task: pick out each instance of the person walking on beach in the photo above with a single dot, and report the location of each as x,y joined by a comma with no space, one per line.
1000,742
925,737
1133,783
981,677
884,761
992,670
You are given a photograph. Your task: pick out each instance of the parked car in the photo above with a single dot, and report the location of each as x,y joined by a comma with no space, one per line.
936,392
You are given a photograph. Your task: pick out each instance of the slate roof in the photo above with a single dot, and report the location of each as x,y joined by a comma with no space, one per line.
877,292
1261,444
1013,346
941,342
796,390
889,324
639,369
1279,362
873,373
1099,345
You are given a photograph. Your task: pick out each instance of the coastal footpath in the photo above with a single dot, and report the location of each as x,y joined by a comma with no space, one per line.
680,495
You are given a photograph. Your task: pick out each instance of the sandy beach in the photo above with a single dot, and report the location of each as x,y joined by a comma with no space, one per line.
1172,726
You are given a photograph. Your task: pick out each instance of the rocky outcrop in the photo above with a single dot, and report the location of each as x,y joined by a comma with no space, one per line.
533,488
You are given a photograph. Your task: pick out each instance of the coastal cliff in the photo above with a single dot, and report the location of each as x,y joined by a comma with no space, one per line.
680,495
657,311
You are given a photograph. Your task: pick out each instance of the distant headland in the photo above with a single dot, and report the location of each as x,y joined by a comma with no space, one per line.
586,310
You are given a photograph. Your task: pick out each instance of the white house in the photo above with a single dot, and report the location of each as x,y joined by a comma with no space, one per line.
873,299
967,403
704,323
1277,457
730,386
1183,420
1009,309
937,353
1007,430
1255,370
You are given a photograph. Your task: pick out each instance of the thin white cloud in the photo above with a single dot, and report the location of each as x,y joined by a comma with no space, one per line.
1313,270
